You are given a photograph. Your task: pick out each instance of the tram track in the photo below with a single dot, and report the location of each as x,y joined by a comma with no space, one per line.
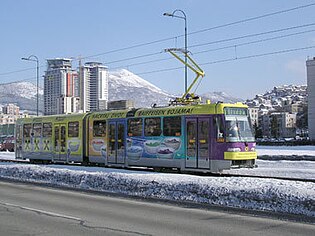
219,175
270,177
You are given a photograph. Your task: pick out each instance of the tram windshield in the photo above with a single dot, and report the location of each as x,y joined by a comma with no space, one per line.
238,126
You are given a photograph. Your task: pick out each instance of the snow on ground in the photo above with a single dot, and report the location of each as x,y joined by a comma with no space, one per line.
283,161
259,194
7,155
285,152
287,169
251,193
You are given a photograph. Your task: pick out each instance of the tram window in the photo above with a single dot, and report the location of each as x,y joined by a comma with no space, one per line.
172,126
47,130
99,128
73,129
27,130
37,129
18,132
219,127
135,127
152,127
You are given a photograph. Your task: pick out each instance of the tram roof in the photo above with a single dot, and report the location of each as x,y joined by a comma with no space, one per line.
60,117
200,109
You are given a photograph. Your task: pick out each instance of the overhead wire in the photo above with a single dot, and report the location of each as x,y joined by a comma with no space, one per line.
232,59
220,48
252,35
257,41
208,43
16,71
204,30
191,33
204,51
19,81
253,18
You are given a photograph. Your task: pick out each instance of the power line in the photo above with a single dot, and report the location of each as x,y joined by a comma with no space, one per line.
19,81
204,30
16,71
214,62
253,35
127,48
143,63
256,41
22,70
132,58
197,45
220,48
269,53
232,59
253,18
194,32
200,52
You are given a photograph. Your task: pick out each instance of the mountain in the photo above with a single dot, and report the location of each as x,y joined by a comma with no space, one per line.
219,96
123,85
22,93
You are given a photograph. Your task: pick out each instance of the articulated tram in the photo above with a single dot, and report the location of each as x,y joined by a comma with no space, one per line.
198,138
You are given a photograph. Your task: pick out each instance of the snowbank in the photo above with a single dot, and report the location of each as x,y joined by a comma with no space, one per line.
284,169
250,193
286,152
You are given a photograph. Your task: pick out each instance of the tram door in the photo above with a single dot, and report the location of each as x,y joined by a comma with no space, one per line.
60,141
116,143
197,143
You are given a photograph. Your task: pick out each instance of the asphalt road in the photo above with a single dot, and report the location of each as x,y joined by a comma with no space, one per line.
27,209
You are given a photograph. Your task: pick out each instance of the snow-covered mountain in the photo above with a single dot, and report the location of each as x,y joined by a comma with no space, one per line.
219,96
123,85
22,89
21,93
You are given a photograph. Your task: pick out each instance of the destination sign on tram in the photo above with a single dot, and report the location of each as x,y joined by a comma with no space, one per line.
235,111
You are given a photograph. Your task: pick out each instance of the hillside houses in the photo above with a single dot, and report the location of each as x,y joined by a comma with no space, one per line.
281,112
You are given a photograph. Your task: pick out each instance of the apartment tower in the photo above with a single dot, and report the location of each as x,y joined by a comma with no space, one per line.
310,67
93,86
61,87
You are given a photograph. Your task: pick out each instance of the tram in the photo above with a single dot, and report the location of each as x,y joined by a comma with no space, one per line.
198,138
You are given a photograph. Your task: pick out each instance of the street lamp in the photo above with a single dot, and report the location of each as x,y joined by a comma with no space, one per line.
34,58
184,18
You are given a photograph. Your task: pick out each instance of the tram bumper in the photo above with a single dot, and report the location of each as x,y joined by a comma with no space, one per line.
241,159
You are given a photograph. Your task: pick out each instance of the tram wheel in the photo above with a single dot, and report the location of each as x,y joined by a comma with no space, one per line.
157,169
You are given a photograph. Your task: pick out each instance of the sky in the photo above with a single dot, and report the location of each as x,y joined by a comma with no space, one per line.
245,47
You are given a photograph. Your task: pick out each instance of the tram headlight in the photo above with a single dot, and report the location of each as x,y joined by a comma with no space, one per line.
253,149
233,149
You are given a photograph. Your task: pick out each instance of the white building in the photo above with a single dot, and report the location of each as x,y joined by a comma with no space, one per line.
93,86
253,112
310,67
11,113
282,124
66,105
11,109
61,84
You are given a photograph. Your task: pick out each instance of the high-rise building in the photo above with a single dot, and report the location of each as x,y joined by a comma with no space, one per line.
61,85
310,67
93,86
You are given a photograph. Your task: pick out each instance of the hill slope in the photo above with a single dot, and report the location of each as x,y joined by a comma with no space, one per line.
123,85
